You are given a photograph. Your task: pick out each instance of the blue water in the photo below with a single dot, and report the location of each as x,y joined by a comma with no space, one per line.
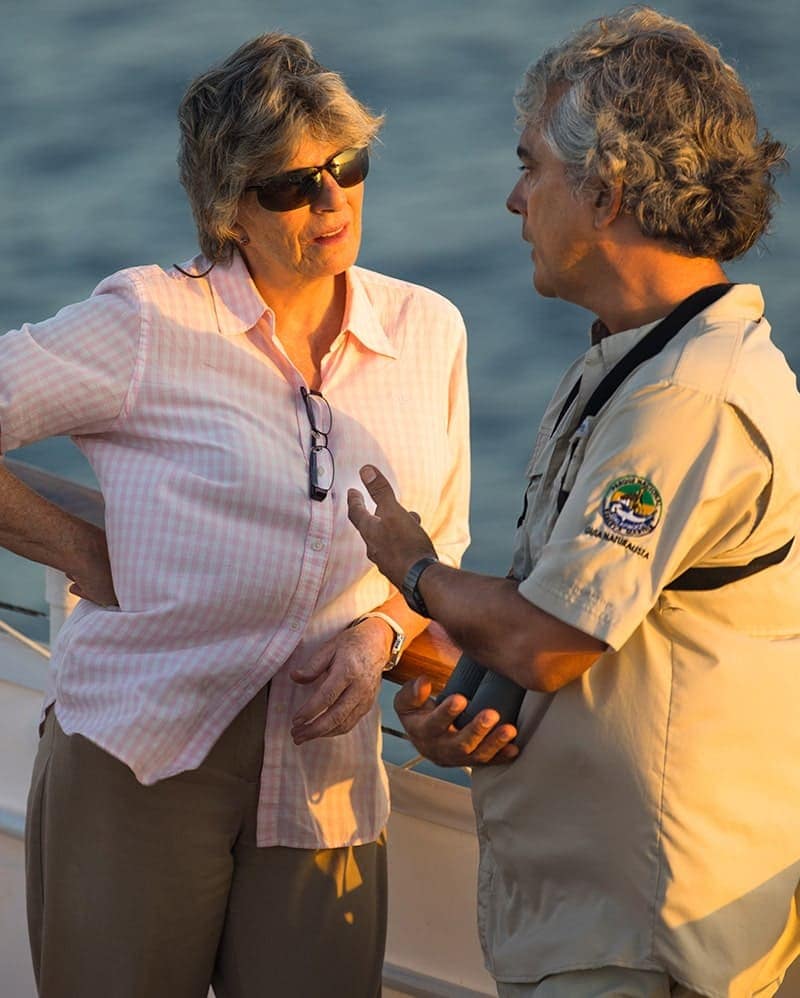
88,92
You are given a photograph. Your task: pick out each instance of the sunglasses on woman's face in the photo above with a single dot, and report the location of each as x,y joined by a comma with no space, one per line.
297,188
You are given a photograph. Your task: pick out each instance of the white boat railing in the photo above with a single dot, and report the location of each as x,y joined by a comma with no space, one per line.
23,639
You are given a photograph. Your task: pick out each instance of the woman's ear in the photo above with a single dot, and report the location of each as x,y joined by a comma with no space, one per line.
242,237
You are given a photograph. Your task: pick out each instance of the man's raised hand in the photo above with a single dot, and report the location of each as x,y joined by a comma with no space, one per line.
393,535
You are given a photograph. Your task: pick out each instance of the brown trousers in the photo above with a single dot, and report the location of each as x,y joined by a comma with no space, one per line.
160,891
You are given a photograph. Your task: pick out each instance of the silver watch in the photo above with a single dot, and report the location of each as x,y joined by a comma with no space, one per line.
398,642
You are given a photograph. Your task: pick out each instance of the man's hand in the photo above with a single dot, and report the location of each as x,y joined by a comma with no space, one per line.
348,668
430,727
90,570
393,536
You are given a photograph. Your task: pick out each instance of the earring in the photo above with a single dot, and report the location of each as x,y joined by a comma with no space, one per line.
244,239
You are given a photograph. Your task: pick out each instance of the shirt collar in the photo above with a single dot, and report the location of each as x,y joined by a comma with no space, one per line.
361,318
239,305
741,301
237,301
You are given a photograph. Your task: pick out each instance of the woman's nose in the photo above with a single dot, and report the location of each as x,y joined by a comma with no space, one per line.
331,195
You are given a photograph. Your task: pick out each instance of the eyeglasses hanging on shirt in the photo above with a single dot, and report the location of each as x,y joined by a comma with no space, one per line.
320,462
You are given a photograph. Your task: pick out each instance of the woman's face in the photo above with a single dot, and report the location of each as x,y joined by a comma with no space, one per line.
289,249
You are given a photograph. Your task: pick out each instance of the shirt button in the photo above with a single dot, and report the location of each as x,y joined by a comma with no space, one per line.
294,625
318,545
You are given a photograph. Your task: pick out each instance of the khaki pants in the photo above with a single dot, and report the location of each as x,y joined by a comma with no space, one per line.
608,982
159,891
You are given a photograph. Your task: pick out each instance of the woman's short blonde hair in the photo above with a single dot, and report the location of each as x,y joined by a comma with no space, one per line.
642,99
243,120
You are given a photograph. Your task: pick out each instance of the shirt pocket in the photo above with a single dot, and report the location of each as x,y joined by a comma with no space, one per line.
533,477
524,545
573,459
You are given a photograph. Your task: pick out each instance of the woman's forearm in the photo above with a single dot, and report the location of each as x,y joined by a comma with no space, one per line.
35,528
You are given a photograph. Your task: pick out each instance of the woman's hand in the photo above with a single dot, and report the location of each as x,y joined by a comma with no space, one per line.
347,671
89,569
430,727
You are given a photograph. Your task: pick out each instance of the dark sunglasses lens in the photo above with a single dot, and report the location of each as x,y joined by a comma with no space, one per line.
301,187
290,191
350,167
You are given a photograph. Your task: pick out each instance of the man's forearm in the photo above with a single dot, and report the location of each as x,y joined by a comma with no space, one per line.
487,617
484,615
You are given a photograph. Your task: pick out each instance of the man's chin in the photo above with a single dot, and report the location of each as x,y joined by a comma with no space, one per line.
541,286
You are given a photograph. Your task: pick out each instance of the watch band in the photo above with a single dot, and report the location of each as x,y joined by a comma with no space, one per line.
410,587
398,641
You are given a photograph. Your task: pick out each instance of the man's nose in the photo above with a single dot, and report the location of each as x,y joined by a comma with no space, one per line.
515,202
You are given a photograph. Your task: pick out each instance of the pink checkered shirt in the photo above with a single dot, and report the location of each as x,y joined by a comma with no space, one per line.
187,407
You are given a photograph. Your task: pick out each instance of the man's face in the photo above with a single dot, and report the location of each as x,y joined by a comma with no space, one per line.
558,224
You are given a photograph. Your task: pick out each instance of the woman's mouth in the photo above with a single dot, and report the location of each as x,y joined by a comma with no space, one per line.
332,236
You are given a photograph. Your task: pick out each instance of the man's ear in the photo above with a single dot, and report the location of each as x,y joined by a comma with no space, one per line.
607,204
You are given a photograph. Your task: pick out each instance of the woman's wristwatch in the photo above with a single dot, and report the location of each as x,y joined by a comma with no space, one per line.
410,587
398,641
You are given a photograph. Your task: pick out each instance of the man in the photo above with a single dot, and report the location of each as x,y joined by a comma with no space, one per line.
640,833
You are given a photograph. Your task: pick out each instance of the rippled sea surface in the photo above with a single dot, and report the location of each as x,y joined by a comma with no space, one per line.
88,92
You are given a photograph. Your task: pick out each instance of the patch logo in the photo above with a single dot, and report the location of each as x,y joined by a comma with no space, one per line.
631,506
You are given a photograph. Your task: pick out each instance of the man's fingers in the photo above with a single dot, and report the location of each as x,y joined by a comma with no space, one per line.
412,695
445,713
377,485
489,742
356,510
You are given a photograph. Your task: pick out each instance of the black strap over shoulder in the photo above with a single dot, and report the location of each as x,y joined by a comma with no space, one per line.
652,344
694,579
648,346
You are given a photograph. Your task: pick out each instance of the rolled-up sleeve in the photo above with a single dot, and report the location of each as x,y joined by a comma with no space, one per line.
71,374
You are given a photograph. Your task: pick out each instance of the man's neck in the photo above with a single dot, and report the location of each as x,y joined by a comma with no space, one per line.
645,280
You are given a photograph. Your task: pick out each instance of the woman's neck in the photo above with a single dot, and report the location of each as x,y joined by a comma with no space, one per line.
308,319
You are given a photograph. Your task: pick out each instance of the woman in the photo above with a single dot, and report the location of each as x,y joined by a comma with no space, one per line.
208,801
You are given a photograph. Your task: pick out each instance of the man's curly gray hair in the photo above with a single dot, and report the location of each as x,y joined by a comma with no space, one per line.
244,119
640,99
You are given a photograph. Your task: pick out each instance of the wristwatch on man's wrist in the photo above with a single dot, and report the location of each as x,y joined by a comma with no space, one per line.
398,641
410,587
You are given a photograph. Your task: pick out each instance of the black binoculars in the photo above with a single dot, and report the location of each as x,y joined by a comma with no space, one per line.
484,689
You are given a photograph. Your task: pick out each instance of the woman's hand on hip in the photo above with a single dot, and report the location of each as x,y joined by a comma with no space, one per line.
89,570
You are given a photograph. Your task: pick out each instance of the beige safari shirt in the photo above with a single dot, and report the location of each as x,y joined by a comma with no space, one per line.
652,819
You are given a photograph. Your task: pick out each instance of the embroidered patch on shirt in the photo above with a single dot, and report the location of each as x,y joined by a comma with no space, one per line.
631,506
